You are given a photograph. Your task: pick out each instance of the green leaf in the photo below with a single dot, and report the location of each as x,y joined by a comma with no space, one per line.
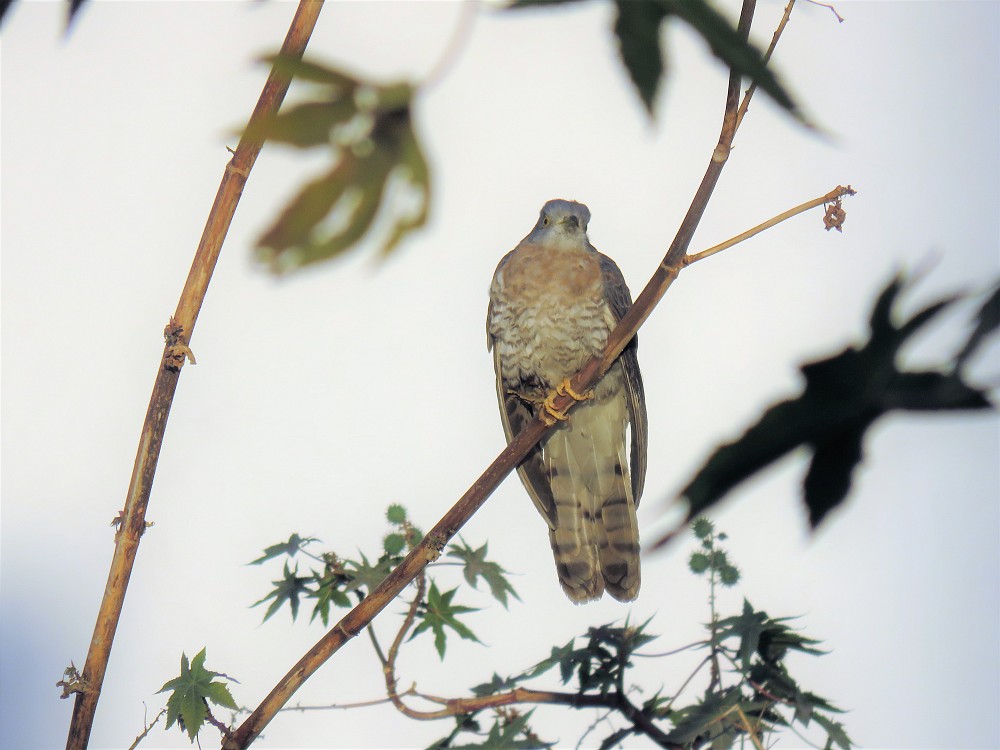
835,731
637,27
294,544
368,576
506,734
476,566
288,589
332,589
189,692
439,613
496,684
726,44
706,720
367,132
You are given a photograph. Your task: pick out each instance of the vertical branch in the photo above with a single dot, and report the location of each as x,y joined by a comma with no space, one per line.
133,518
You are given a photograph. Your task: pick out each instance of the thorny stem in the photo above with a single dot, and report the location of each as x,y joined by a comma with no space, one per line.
178,334
430,547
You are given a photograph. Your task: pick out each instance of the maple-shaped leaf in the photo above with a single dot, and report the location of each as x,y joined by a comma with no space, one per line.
508,733
476,565
439,613
835,732
331,589
638,28
844,396
377,166
496,684
189,692
294,545
288,589
365,575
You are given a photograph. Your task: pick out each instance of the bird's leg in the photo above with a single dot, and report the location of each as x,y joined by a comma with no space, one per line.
565,389
551,414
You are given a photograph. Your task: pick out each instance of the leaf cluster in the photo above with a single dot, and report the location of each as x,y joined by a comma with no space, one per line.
376,163
339,578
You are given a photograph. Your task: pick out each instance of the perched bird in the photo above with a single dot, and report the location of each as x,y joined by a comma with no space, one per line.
553,301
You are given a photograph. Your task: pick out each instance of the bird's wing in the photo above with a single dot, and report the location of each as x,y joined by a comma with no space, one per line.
619,301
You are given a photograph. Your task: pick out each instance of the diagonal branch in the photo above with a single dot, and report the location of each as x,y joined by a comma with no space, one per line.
430,548
178,334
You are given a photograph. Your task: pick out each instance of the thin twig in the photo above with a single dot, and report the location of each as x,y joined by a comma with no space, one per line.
745,104
139,738
176,351
389,665
838,192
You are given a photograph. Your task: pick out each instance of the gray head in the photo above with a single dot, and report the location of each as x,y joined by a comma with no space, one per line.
561,221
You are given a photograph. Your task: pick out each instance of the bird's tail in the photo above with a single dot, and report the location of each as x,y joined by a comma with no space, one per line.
595,539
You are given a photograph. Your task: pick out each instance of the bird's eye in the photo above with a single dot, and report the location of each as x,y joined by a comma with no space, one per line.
545,221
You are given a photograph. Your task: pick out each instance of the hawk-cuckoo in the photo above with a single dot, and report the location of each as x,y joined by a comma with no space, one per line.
553,301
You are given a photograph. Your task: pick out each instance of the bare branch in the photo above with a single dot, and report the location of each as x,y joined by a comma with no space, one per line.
176,351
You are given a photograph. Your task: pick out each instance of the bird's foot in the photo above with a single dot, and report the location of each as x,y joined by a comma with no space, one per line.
550,414
565,389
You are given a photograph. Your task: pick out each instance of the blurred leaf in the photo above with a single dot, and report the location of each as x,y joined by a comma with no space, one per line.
439,614
637,27
706,720
835,731
476,565
189,692
376,166
729,46
332,589
288,589
844,396
987,321
364,574
505,734
294,544
496,685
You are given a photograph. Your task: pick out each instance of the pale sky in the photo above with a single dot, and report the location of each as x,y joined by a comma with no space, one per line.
322,398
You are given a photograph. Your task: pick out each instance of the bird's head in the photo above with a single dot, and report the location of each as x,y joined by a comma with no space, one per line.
562,222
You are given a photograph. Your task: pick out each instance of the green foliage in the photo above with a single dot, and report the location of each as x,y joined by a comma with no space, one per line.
477,566
286,589
510,731
376,164
190,693
294,545
749,692
439,613
711,558
843,397
639,30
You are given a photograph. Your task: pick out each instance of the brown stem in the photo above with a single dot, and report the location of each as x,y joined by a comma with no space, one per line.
431,546
389,663
178,334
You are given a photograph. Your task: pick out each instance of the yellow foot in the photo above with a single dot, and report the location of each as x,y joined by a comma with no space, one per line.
550,414
565,389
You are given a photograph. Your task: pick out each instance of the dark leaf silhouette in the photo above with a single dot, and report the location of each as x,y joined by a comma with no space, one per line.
843,397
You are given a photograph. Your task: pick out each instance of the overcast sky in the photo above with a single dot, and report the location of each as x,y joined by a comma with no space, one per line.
321,398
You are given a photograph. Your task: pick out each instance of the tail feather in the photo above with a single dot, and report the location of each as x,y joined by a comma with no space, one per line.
595,534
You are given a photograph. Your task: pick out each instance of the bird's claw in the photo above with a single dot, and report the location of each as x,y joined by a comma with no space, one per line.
565,389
